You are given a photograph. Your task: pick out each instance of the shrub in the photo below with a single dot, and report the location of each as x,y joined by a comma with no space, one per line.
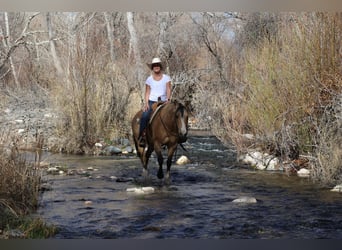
287,82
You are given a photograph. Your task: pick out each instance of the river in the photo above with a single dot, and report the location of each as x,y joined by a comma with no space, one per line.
92,201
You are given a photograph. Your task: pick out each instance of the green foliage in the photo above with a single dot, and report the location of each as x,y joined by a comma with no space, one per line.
36,228
24,226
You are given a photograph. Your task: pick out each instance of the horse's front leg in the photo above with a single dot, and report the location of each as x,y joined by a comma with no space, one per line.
171,150
157,149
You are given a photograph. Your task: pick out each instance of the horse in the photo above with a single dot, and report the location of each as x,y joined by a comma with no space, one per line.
168,126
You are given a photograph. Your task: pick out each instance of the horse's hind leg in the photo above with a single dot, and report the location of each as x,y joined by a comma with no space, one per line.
145,158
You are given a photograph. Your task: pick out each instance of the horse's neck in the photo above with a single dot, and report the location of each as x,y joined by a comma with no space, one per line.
156,111
170,112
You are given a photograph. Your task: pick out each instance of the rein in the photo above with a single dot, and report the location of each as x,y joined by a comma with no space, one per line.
170,132
166,129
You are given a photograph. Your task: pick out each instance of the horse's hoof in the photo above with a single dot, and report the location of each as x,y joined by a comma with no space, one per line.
160,175
167,181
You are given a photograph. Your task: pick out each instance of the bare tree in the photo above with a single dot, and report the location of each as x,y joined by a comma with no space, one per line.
134,52
165,21
52,45
110,34
10,44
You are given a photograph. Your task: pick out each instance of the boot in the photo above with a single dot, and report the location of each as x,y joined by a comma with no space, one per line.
142,139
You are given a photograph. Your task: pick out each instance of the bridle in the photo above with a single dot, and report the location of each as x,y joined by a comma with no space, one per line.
180,108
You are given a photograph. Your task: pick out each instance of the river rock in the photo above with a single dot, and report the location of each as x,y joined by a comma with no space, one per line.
303,172
142,190
183,160
261,161
52,170
337,188
245,199
111,150
127,150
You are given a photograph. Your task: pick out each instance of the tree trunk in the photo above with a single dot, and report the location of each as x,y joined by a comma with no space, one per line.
8,38
52,45
134,54
110,35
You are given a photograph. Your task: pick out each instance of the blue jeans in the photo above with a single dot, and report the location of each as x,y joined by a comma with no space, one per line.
145,117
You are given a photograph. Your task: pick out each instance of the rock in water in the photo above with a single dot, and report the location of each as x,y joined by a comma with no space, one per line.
245,199
303,172
337,188
142,190
183,160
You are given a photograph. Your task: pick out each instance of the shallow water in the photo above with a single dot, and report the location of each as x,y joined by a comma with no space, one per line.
197,204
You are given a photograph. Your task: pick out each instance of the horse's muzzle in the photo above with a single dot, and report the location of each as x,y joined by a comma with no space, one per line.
182,138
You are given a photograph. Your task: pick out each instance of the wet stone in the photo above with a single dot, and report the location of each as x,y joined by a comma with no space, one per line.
245,199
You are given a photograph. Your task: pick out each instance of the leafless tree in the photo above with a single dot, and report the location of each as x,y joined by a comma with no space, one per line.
51,32
10,44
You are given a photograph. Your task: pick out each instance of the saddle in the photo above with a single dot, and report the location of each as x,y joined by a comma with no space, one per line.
155,109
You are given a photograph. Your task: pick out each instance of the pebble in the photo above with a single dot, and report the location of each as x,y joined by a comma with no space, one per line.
88,203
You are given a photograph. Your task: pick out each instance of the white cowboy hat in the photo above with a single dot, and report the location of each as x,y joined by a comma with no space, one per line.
155,60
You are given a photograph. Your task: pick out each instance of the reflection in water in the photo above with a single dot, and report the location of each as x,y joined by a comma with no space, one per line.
198,203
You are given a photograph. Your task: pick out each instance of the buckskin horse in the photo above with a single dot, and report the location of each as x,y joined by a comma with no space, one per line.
168,126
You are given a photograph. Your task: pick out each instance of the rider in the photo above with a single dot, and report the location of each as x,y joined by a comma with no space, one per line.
157,87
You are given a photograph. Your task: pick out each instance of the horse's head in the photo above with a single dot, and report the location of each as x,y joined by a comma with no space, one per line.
182,121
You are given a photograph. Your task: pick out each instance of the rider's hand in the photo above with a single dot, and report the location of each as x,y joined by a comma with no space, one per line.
145,107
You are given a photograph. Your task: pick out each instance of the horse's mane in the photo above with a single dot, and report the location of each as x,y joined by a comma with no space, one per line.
159,106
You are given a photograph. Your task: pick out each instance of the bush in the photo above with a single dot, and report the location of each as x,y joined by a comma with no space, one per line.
94,96
19,192
19,183
287,82
328,166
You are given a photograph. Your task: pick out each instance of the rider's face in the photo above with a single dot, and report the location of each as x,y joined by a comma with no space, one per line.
156,68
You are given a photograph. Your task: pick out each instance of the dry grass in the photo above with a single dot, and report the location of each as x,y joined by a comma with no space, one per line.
19,192
286,82
93,99
19,181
